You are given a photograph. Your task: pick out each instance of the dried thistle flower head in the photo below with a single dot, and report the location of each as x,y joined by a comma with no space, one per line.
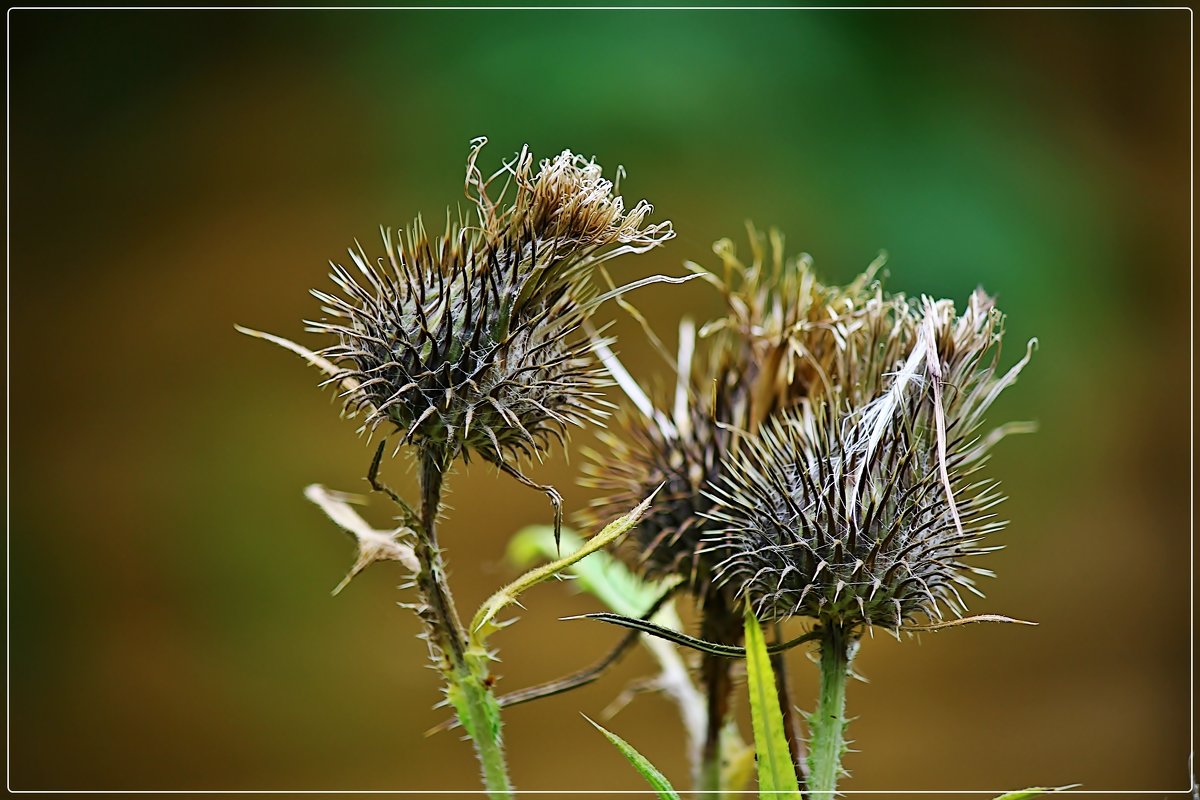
860,509
680,450
795,327
472,341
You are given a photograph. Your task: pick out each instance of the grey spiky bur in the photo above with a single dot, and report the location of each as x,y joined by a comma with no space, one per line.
861,510
473,342
863,504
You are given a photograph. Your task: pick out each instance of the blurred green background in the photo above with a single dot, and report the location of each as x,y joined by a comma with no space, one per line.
173,173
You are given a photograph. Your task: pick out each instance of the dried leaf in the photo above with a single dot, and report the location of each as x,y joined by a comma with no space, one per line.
373,544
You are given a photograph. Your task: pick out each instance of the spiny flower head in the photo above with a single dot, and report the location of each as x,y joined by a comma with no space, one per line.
472,340
680,451
859,507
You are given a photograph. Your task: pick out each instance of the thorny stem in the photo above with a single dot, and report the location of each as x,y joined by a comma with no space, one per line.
444,627
465,672
828,723
480,716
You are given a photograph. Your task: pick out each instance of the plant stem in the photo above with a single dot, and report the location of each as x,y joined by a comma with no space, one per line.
718,624
717,684
479,713
446,638
828,723
465,672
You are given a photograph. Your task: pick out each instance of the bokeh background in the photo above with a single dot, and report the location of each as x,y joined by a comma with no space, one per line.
173,173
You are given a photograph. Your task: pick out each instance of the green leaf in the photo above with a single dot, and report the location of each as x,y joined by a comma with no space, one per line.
776,772
482,624
600,575
656,779
1036,791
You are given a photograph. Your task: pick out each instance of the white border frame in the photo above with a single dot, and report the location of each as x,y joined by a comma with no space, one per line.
1193,790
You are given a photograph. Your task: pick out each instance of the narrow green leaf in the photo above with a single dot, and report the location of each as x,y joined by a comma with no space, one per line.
1035,791
776,772
481,623
601,575
656,779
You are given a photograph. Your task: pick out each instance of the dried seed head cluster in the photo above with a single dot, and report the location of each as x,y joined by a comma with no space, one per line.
472,341
777,344
858,507
828,458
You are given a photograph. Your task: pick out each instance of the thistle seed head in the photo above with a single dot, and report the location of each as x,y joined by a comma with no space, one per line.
682,452
858,506
796,329
472,340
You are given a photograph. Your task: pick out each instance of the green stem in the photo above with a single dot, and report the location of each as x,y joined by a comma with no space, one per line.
479,713
827,724
465,672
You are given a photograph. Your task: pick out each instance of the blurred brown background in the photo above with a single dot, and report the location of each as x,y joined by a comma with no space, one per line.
175,172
